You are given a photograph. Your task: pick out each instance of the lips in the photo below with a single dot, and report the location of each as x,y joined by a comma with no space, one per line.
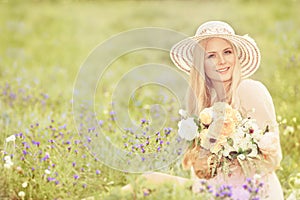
222,70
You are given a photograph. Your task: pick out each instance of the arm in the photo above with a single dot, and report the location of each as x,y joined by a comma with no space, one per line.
256,102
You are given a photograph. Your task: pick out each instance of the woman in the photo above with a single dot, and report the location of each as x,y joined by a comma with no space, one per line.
218,63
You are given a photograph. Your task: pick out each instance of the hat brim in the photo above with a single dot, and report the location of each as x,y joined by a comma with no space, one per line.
247,51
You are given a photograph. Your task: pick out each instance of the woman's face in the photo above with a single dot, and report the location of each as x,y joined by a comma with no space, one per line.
219,60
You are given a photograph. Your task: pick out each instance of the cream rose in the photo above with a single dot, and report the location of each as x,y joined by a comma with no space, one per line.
268,143
228,127
187,129
221,126
206,116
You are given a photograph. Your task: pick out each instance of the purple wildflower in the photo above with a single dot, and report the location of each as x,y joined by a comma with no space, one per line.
63,127
35,143
89,139
146,192
49,179
67,142
76,176
112,112
161,142
159,148
98,172
167,131
46,157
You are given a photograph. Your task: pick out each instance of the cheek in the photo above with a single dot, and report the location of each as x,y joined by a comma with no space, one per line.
209,65
232,59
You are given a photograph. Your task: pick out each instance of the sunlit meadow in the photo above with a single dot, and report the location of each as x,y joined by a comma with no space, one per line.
45,154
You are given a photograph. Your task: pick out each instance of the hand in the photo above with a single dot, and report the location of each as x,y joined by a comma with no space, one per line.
202,168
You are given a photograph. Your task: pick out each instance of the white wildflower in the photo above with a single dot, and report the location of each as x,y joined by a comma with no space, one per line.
7,165
47,171
21,194
7,158
11,138
256,177
288,129
25,184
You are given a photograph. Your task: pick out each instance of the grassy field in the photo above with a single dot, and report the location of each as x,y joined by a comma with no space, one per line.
45,43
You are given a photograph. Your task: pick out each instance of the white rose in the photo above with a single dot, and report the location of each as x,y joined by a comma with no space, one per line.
187,129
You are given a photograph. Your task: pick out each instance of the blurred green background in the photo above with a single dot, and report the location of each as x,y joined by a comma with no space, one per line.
44,43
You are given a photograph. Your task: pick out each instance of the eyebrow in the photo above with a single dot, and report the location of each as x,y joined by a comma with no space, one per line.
227,48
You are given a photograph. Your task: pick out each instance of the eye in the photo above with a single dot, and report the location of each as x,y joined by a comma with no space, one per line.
228,51
211,56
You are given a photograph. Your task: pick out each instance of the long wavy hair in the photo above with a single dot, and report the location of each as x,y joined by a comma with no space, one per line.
200,90
200,97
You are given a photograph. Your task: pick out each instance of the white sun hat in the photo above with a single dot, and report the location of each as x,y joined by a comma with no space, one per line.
247,51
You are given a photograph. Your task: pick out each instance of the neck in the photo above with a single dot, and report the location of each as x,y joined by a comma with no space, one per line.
222,90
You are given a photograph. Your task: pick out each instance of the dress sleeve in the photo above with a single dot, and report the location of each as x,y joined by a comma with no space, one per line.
256,102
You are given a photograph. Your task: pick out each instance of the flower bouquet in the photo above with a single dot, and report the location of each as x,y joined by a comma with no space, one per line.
221,138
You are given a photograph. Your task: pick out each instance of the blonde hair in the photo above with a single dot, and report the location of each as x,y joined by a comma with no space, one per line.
199,97
199,93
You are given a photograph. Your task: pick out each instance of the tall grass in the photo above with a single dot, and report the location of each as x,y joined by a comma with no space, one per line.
43,45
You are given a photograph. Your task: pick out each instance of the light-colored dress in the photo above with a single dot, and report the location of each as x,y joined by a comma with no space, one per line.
255,101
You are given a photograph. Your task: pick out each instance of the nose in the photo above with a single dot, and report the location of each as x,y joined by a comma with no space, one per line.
221,60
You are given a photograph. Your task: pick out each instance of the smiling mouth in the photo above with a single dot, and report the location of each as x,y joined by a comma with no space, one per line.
222,70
